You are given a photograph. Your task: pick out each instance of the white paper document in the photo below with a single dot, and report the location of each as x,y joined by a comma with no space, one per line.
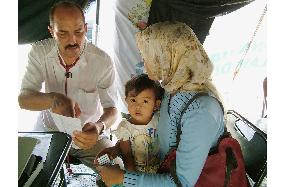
67,124
246,130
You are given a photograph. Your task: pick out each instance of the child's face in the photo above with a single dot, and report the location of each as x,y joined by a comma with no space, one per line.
142,106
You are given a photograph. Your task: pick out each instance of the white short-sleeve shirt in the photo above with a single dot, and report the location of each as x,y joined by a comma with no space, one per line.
91,85
144,143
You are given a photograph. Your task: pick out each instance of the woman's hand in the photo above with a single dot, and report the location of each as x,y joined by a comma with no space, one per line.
111,174
142,25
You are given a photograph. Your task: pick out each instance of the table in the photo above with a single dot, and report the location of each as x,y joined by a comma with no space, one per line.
53,148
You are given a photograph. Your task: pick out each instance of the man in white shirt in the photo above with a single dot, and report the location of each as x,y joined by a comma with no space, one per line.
79,81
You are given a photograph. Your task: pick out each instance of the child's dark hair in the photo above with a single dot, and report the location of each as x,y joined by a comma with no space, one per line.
142,82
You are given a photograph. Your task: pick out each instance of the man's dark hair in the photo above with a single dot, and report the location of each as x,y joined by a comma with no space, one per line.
65,4
142,82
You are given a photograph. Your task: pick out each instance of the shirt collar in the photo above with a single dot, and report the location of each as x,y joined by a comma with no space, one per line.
53,54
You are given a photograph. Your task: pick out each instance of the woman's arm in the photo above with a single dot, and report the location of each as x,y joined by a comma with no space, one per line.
112,175
200,129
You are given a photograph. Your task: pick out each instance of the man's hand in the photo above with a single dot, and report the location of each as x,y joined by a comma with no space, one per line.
57,102
77,110
63,105
88,137
111,175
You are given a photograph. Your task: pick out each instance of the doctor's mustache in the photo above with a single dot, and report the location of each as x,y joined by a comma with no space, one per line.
72,46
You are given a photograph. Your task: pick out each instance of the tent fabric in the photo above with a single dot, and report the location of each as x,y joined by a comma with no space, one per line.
33,19
198,14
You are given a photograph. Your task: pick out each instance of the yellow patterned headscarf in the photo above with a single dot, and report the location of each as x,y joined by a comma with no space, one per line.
175,56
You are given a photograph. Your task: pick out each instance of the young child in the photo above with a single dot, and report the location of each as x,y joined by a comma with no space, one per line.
138,142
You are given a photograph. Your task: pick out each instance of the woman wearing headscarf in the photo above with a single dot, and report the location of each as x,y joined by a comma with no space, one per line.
173,55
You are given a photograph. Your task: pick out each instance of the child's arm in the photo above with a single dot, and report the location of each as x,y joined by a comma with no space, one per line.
128,160
112,153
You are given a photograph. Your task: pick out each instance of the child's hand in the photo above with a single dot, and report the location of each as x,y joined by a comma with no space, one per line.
112,153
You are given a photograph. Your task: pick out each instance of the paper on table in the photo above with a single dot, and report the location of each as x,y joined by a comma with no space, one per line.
67,124
245,130
41,148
